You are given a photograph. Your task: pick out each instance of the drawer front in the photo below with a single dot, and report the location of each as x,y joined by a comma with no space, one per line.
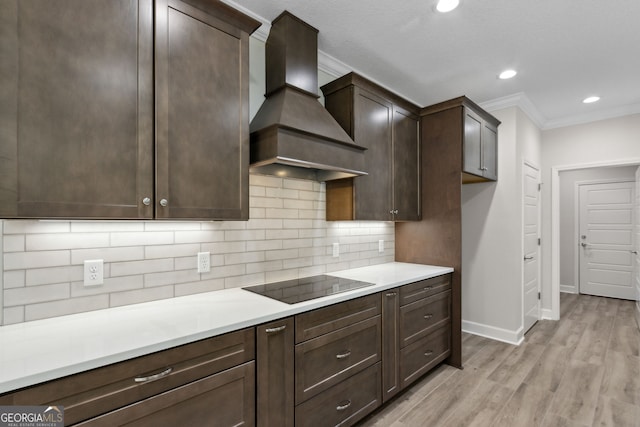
423,316
328,319
424,288
329,359
223,399
419,357
344,404
101,390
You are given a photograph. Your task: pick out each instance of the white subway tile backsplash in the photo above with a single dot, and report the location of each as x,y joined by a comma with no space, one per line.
142,238
43,276
36,294
49,242
66,306
287,237
23,260
117,299
13,243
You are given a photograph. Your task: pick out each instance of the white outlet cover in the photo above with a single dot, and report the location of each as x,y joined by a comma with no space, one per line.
204,262
380,246
93,272
336,250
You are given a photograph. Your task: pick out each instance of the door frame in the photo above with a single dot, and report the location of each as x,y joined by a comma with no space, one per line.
532,165
554,312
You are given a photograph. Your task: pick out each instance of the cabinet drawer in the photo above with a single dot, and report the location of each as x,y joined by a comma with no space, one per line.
101,390
423,316
424,288
328,319
329,359
419,357
223,399
344,404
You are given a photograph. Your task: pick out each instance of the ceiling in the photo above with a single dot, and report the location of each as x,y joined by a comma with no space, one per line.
563,50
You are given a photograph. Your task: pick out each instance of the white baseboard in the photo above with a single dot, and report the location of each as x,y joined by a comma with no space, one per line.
569,289
547,314
494,333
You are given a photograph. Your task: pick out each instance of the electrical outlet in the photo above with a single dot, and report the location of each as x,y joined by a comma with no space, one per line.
381,246
204,262
336,250
93,272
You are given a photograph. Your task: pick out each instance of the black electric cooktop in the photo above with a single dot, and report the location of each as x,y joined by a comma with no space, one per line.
306,288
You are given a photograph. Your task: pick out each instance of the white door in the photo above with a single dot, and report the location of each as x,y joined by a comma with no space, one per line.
606,240
531,246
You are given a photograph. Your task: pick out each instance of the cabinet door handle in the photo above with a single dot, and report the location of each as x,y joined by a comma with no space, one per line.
276,329
343,355
428,316
153,377
343,405
391,294
164,203
428,353
146,201
528,258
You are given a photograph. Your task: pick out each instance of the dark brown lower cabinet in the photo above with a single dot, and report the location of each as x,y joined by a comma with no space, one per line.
345,403
275,383
220,400
418,358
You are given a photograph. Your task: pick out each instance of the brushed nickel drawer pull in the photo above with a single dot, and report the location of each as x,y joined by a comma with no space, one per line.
153,377
428,316
276,329
428,353
343,355
343,405
391,294
428,288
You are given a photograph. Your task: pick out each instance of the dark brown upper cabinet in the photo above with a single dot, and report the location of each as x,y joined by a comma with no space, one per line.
98,124
479,138
388,126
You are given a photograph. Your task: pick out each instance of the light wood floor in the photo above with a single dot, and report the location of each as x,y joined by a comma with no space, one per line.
583,370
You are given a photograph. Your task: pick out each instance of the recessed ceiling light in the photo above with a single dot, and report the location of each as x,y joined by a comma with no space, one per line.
447,5
591,99
507,74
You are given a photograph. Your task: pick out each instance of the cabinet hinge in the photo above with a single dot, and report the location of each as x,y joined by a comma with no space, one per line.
538,241
538,295
539,186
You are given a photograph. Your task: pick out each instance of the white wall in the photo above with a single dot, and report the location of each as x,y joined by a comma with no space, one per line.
568,202
492,235
602,143
638,246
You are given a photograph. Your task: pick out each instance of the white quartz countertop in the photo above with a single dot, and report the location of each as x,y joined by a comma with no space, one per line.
42,350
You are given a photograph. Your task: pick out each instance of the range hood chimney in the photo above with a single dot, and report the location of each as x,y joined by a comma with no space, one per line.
293,134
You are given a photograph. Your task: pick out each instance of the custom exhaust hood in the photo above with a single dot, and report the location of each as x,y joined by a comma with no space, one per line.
293,134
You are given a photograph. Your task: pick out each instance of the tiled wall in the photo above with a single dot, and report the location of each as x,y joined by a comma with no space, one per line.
286,237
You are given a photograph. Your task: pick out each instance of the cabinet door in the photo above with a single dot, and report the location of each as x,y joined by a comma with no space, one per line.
472,149
390,343
275,369
373,130
406,165
76,108
490,151
202,122
223,399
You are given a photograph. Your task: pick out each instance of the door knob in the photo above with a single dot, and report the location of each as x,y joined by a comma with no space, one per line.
634,252
584,245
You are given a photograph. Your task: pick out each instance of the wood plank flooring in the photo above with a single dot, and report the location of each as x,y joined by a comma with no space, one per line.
583,370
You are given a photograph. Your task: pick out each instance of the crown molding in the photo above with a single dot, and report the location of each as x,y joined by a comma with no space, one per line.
578,119
519,100
262,32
